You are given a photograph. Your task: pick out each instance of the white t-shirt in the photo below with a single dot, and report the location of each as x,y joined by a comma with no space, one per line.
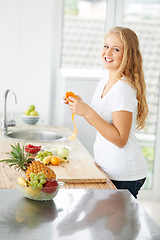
127,163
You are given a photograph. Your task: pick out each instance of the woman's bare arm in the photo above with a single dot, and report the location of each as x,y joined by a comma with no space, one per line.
118,133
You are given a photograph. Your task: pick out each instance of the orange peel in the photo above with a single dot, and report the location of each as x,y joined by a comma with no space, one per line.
70,94
75,130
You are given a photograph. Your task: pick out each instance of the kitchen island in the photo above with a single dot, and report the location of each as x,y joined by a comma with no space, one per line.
81,171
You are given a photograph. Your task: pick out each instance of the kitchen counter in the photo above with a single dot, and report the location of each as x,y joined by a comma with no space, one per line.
75,214
86,207
81,171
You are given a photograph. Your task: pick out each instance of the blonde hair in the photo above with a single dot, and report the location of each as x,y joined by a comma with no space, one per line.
131,68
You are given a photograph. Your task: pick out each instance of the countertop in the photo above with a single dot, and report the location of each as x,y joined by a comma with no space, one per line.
75,214
78,155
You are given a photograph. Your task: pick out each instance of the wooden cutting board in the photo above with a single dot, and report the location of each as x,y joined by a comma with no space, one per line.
78,171
81,167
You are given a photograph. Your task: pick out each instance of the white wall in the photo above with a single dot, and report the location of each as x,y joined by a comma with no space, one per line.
25,52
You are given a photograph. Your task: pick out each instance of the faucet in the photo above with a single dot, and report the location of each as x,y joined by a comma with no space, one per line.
5,123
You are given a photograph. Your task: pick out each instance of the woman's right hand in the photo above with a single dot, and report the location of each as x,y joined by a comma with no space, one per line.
82,108
67,102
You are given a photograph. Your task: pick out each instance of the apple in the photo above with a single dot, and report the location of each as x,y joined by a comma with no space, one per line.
27,112
33,113
31,108
50,186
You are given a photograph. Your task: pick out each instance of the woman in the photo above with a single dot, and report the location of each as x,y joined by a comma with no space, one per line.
118,107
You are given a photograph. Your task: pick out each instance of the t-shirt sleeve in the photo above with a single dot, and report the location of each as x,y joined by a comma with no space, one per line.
123,98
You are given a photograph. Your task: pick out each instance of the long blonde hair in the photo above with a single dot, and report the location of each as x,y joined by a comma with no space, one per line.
131,68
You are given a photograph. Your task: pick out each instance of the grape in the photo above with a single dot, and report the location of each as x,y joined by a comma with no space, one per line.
43,154
41,177
32,179
42,181
32,174
39,185
31,184
37,177
37,181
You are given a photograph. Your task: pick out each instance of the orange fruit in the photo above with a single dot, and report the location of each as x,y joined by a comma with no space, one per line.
55,161
70,94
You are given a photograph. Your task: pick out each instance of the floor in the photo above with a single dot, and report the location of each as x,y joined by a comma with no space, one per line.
152,208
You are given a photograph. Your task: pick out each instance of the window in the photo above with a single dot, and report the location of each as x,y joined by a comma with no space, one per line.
83,32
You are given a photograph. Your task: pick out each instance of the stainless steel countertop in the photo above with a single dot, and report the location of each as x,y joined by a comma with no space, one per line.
75,214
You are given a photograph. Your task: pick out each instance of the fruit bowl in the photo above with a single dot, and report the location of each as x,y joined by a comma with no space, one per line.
44,194
31,120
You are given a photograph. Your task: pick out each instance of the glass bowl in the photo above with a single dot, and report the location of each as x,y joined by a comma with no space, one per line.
32,149
44,194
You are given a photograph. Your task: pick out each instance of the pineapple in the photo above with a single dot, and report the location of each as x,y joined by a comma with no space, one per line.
37,166
22,161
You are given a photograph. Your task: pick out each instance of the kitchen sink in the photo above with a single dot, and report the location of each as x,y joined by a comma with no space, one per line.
35,135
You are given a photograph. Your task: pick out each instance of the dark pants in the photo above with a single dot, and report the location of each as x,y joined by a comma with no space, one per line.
132,186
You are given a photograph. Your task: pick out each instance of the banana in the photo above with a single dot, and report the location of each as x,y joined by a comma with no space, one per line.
62,159
47,159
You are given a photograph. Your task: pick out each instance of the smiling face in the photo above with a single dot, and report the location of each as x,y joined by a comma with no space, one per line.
112,52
